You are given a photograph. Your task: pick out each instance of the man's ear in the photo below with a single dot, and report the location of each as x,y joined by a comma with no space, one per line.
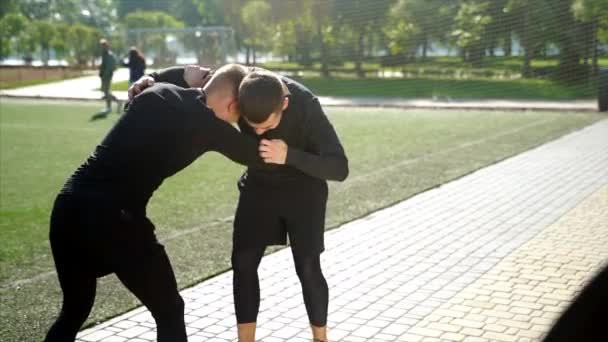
233,107
285,102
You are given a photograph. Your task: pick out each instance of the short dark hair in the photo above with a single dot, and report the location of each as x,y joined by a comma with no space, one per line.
227,79
260,94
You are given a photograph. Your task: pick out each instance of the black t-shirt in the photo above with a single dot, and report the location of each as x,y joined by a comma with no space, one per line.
164,130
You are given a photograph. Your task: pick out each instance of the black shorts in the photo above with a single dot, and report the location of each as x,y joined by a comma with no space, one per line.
94,236
268,215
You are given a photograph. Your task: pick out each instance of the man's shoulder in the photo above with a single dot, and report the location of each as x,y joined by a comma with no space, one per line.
172,92
297,89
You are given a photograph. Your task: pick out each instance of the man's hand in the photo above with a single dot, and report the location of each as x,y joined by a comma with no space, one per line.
139,86
273,151
196,76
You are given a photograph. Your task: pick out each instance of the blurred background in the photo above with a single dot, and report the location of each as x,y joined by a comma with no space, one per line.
451,48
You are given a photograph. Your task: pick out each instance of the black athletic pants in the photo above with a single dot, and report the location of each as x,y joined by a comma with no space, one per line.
246,285
92,237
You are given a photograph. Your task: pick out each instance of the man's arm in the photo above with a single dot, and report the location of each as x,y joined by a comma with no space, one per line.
239,148
173,75
191,76
330,163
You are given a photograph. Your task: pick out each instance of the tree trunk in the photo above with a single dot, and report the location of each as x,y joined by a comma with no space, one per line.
568,41
359,55
508,43
324,59
247,55
527,45
526,70
425,46
253,55
594,49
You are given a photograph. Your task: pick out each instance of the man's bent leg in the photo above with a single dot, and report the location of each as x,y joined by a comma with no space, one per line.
105,88
76,276
78,298
148,274
246,290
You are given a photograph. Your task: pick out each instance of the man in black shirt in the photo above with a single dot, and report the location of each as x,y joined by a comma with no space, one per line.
99,224
287,199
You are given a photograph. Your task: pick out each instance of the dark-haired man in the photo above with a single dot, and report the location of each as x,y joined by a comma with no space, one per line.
288,199
99,223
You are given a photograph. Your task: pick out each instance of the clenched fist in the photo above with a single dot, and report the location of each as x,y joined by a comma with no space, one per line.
139,86
273,151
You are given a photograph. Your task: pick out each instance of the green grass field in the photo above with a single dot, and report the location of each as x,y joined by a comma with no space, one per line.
528,89
394,154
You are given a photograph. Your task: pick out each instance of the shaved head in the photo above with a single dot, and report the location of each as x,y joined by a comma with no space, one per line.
226,80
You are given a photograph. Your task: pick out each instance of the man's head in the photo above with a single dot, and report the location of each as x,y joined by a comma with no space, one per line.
262,98
222,91
105,46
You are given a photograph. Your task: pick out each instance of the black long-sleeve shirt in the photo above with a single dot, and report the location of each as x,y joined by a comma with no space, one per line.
314,148
164,130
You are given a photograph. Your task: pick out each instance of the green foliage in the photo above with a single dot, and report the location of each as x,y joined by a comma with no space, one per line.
88,38
12,26
334,32
256,18
8,6
470,26
42,32
413,23
154,42
589,10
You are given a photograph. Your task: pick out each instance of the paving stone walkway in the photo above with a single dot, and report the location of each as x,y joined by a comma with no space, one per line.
493,256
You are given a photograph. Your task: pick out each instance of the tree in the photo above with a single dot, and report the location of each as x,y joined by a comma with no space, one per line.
567,32
364,19
469,29
498,32
12,26
42,33
232,17
532,19
401,31
594,12
88,41
415,23
59,43
153,41
294,29
321,16
8,6
126,7
256,16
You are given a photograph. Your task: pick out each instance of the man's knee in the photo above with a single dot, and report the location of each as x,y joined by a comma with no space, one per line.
246,261
168,308
308,268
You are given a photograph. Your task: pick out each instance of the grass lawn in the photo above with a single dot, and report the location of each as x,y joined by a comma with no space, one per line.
20,84
498,63
530,89
393,154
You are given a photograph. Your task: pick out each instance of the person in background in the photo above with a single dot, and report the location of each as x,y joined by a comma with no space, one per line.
106,71
136,64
